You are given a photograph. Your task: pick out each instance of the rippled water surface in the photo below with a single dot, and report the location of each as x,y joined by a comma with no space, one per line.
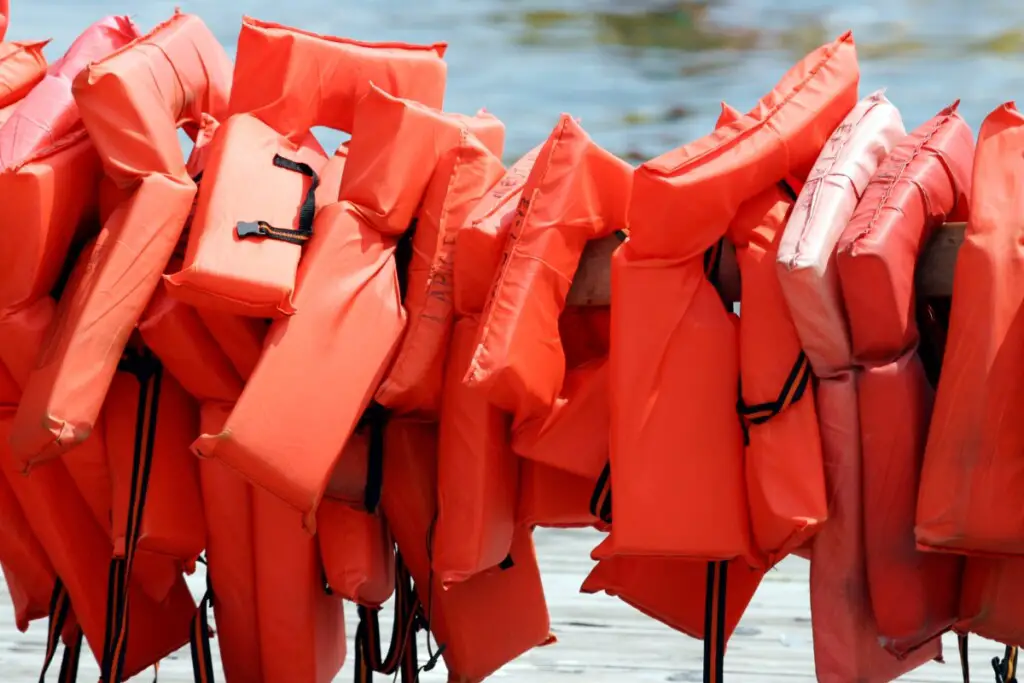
643,76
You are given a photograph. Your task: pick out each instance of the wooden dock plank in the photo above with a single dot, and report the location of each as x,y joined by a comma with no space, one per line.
601,640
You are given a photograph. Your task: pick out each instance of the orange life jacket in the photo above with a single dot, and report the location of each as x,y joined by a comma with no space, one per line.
976,401
576,191
243,252
355,319
461,179
923,182
157,83
675,370
784,471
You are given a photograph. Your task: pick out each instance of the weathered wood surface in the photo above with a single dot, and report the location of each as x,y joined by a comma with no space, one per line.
601,640
592,284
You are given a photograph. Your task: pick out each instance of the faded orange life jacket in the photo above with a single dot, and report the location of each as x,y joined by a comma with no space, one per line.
923,182
847,644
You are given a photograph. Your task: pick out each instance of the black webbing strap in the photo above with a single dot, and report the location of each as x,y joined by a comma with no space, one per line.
147,369
714,622
307,211
199,636
1006,669
375,418
402,652
793,389
60,609
965,665
601,500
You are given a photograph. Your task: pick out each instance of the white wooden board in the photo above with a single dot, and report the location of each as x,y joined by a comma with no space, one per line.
601,640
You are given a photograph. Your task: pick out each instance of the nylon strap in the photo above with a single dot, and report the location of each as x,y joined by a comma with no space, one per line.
307,211
793,389
199,638
714,622
402,653
149,372
60,609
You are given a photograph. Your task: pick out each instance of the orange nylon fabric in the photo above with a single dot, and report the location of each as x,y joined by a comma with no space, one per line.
4,17
145,91
22,67
973,441
477,473
358,553
484,622
23,558
479,242
302,628
566,437
230,557
460,181
553,498
991,598
672,590
675,370
576,191
923,182
847,644
49,203
351,319
48,112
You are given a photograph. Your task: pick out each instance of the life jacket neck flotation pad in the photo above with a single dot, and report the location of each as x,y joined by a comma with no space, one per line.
145,90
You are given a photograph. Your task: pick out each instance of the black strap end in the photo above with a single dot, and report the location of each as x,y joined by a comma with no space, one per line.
248,229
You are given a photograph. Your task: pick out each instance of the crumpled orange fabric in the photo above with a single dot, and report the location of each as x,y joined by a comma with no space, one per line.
460,181
321,367
576,191
145,91
675,369
924,181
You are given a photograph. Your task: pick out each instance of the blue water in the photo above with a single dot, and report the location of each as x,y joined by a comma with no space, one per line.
527,61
